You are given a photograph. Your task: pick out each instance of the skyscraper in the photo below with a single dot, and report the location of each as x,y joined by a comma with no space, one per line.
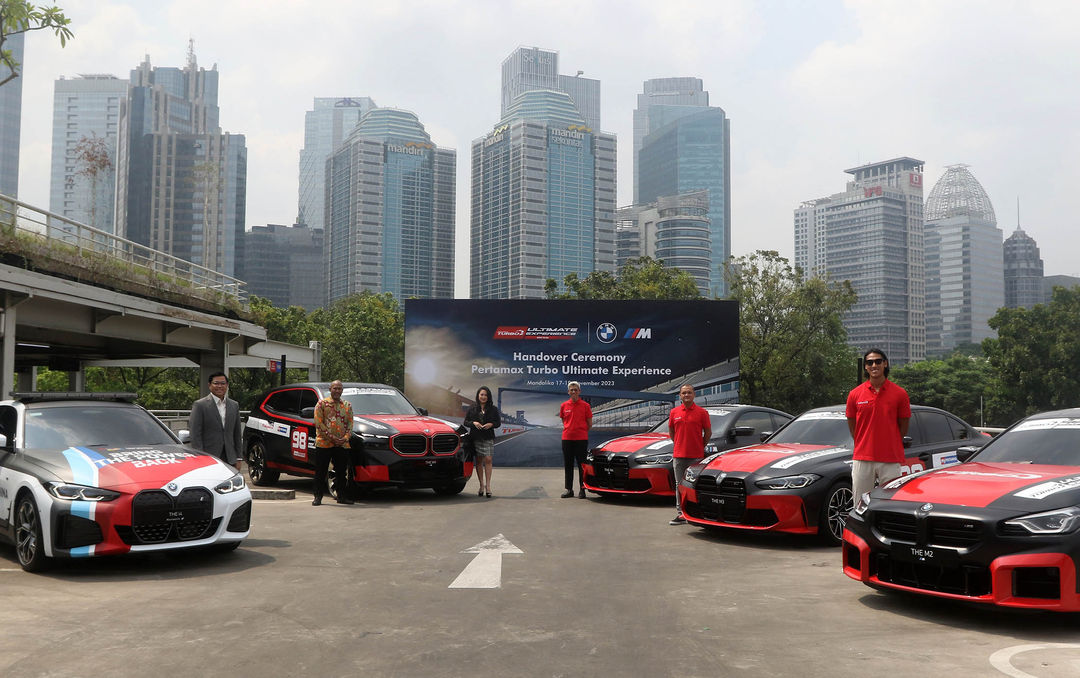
86,119
11,120
325,128
1023,270
674,229
543,199
873,236
181,184
680,94
285,265
964,274
685,146
532,68
390,211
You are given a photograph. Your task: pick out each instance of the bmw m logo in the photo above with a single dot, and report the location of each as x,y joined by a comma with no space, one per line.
606,333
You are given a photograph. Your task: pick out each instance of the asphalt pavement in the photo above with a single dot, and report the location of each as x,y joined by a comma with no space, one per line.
581,588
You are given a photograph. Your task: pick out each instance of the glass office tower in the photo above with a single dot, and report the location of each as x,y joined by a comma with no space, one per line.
543,199
326,126
11,121
390,210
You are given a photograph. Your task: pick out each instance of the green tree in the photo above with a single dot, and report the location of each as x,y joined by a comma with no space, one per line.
19,16
363,339
642,278
1035,357
792,350
962,384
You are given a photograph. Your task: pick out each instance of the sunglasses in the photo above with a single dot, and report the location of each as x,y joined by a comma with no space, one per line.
874,361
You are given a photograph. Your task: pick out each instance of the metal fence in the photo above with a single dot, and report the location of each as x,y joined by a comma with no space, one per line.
87,241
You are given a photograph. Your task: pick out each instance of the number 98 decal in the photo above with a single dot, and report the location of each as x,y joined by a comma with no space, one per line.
299,443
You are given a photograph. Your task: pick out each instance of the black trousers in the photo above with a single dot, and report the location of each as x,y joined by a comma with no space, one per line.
340,457
573,454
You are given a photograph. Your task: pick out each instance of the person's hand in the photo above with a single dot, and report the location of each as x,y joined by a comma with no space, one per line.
477,424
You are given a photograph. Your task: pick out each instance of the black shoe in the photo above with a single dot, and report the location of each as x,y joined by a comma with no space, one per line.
677,520
581,493
567,494
317,501
345,500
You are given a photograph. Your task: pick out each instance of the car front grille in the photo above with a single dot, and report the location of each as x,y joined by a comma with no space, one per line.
933,530
963,579
409,444
956,532
157,517
444,443
898,526
415,444
611,473
723,502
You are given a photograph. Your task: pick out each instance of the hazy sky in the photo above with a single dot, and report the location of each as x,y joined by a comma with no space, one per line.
811,87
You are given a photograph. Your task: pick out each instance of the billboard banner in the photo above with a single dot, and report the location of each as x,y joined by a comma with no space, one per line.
630,358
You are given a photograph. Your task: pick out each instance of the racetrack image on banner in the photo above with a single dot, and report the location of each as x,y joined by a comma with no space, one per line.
629,356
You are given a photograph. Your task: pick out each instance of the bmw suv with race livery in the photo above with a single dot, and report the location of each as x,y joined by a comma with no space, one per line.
799,480
393,442
1000,528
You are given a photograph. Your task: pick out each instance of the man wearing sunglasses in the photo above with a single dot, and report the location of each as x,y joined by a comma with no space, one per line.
878,413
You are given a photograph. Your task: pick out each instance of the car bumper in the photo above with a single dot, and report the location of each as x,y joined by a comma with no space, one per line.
383,467
656,480
761,512
1044,580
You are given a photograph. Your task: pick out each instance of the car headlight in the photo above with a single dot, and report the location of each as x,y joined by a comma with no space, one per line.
233,484
691,474
862,504
73,492
655,459
788,482
589,457
1060,521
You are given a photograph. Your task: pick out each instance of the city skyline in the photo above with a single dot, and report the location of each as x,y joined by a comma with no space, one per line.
793,79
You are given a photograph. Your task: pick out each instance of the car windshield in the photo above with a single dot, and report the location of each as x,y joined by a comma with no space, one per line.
1039,441
90,426
377,401
816,428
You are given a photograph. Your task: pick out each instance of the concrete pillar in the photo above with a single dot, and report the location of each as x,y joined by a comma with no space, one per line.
27,380
213,361
7,349
77,380
315,371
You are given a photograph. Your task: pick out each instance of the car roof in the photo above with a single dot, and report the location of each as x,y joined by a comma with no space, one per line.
69,397
744,406
914,408
325,385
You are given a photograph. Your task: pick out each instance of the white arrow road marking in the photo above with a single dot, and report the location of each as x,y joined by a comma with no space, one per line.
485,570
1002,659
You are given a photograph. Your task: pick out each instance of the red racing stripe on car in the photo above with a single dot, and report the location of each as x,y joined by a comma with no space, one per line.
976,484
751,459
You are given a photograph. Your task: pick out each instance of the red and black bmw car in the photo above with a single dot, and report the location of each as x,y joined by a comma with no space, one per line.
642,464
799,480
1001,528
393,443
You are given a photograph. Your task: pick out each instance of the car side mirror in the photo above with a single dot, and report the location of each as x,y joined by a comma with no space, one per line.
422,411
741,431
764,435
308,413
184,435
907,442
964,453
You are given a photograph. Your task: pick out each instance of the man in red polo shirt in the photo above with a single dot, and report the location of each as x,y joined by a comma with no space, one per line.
878,414
690,428
576,415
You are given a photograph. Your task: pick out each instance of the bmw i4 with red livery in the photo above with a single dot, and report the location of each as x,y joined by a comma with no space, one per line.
799,480
93,474
642,463
393,443
1003,527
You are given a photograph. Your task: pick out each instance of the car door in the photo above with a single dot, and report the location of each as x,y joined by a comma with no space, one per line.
283,409
933,441
8,423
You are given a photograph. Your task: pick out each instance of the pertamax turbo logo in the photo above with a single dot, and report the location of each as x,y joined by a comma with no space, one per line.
518,332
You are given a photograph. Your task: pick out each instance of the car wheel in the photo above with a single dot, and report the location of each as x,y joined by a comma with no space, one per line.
29,544
256,462
834,513
451,488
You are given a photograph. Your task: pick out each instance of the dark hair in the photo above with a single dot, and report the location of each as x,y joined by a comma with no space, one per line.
882,354
215,375
490,401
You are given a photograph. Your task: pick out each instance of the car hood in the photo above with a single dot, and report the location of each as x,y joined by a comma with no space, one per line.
776,459
393,424
126,467
639,442
999,484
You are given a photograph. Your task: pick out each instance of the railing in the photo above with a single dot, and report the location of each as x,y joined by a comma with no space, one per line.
68,240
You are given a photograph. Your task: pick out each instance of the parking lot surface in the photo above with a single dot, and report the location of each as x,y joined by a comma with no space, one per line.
600,587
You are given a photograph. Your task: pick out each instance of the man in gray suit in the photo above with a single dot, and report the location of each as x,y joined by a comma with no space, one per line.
215,423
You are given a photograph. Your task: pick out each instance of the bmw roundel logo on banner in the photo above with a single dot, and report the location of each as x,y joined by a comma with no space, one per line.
606,333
